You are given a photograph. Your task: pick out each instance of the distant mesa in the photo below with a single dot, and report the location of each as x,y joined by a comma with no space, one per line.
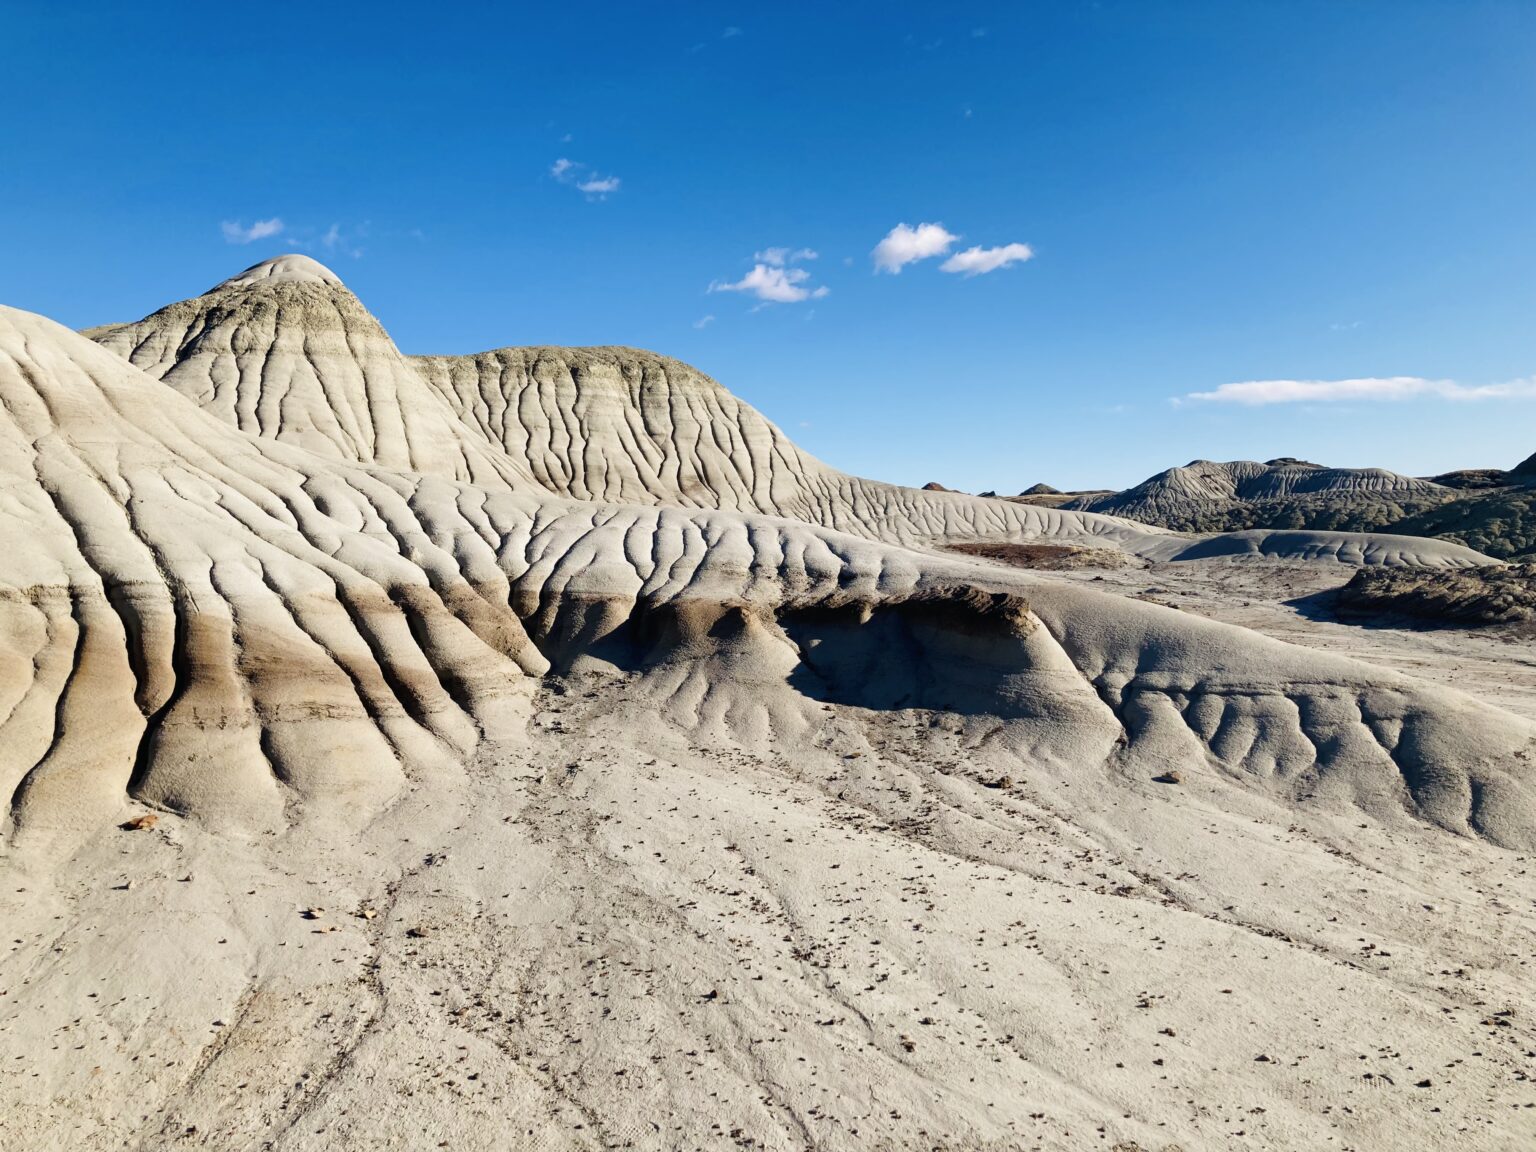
1041,490
935,486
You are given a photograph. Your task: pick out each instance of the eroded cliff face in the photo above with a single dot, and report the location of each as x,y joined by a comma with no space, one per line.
247,629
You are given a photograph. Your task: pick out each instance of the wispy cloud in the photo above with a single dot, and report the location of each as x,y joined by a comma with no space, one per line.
978,261
730,33
774,279
905,245
1258,393
236,233
347,240
704,321
584,178
782,256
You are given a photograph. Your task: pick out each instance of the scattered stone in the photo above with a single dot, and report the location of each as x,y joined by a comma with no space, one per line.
140,823
1170,777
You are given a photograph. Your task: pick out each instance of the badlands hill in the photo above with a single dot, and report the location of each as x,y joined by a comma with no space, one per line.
268,350
536,749
283,351
1485,509
1247,493
286,352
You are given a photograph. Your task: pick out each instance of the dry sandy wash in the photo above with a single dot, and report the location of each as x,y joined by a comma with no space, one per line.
537,749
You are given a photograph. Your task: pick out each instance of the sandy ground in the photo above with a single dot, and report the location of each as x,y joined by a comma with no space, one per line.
613,934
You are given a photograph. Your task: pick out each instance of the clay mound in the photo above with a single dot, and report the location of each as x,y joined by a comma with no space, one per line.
284,351
622,424
1490,595
250,634
1369,549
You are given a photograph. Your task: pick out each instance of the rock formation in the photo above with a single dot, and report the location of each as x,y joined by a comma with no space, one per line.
531,733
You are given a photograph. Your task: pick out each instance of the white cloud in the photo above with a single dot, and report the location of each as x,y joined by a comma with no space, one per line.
730,33
782,256
774,284
978,261
259,230
584,178
904,245
1256,393
704,321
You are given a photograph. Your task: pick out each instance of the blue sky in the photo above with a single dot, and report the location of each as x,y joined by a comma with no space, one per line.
1209,194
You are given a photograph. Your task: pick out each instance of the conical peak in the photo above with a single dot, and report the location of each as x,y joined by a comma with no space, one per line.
290,269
